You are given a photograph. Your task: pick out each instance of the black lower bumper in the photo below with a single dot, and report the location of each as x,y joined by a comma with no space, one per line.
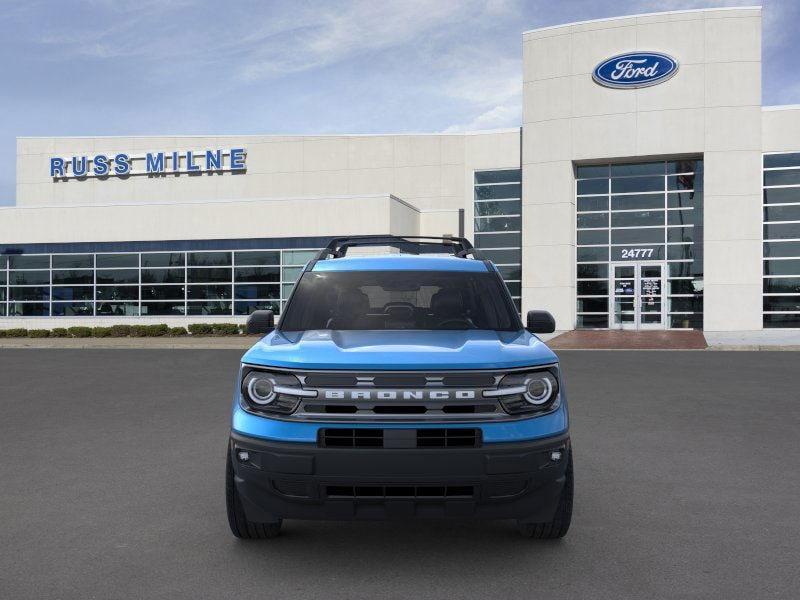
303,481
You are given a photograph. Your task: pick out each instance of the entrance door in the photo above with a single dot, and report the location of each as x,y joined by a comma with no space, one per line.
637,295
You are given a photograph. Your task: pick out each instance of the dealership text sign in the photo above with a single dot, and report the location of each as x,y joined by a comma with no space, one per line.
635,70
122,164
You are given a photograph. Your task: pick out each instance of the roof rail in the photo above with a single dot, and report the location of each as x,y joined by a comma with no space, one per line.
459,246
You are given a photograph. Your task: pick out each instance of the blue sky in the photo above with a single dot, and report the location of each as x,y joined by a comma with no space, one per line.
151,67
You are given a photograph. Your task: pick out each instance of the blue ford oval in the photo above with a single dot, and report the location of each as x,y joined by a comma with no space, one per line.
635,70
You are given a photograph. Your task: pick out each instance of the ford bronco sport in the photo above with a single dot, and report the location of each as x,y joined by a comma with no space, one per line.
398,386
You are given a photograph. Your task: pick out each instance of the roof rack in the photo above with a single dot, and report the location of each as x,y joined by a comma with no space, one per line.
459,246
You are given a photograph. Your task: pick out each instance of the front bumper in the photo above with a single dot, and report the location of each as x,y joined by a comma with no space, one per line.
516,480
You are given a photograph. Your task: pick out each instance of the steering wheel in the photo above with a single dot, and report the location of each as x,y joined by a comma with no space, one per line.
467,322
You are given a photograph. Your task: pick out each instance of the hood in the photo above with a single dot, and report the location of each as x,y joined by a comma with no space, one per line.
400,350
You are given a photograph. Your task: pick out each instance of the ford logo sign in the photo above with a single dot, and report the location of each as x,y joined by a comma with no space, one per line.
635,70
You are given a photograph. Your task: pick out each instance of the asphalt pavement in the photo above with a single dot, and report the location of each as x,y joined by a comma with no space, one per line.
687,468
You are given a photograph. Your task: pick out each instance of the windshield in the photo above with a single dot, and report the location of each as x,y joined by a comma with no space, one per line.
377,300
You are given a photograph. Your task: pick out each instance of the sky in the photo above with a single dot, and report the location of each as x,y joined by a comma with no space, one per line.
171,67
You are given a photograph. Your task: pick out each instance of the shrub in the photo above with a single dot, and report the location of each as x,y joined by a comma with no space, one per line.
80,332
101,332
138,331
59,332
177,331
38,333
120,330
17,332
224,329
201,329
157,330
2,333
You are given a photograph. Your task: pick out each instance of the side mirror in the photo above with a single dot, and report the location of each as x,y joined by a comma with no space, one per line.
540,321
261,321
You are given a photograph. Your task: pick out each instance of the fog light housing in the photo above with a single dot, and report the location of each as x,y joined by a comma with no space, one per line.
555,455
243,455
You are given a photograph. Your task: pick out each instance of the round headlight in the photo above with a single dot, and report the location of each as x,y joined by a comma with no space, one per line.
261,389
538,389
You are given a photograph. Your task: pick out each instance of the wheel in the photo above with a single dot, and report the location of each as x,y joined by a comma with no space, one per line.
558,527
240,526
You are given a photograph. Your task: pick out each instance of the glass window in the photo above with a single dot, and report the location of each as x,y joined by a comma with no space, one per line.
595,305
73,309
209,275
782,231
592,271
685,286
3,262
782,267
66,277
593,220
73,261
117,309
782,249
681,182
256,292
588,171
681,269
162,292
694,321
649,168
162,308
29,277
298,257
117,292
637,219
679,252
29,293
117,275
782,195
209,259
261,257
28,309
789,159
680,234
291,273
286,289
500,207
498,240
782,213
503,257
592,236
592,288
73,292
209,292
29,261
116,261
511,272
209,308
788,177
493,192
637,184
498,224
593,321
246,308
782,303
637,202
500,176
782,285
3,306
684,217
680,304
593,203
257,274
787,320
163,276
164,259
637,236
592,254
592,186
684,166
514,287
684,199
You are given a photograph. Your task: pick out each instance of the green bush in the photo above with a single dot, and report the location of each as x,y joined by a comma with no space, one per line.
157,330
101,332
224,329
177,331
201,329
59,332
138,331
120,330
38,333
80,332
2,333
16,332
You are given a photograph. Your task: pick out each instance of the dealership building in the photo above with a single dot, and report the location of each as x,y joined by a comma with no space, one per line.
646,188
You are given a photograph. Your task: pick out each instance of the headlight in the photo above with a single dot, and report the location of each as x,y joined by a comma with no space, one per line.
266,391
526,392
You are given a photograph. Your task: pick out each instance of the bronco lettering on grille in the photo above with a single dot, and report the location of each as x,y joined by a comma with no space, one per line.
399,395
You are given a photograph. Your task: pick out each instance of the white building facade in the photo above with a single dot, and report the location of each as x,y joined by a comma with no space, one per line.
647,188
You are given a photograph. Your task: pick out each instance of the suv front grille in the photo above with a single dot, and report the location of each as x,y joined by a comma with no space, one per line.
399,438
401,490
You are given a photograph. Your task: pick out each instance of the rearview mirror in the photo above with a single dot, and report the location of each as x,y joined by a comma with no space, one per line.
261,321
540,321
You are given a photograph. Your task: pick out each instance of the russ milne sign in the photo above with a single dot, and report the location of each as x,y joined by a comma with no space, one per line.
635,70
152,163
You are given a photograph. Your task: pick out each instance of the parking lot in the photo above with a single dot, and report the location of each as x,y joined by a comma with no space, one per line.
111,486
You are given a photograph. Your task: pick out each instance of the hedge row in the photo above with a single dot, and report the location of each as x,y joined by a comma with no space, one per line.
127,331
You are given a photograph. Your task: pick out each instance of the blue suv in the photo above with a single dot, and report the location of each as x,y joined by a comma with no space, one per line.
400,386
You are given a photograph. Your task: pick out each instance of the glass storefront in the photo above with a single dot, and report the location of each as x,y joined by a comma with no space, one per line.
498,223
640,245
120,284
781,278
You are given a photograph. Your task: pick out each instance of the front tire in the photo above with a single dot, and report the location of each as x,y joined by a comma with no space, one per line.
241,527
559,525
